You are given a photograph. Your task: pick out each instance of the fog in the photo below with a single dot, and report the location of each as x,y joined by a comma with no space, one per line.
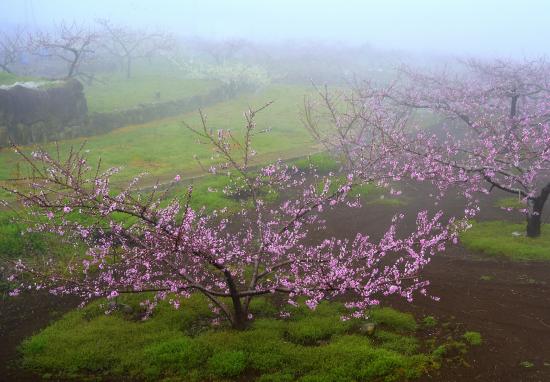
466,28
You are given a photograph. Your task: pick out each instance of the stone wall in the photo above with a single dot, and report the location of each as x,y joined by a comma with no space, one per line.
37,116
34,115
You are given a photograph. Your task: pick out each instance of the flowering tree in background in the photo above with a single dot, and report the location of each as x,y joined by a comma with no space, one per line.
168,248
493,130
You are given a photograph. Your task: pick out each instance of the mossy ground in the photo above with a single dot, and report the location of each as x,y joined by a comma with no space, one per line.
505,239
182,345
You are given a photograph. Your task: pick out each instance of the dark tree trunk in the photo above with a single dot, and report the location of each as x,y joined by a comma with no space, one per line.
239,314
73,64
534,214
239,320
71,70
513,107
533,223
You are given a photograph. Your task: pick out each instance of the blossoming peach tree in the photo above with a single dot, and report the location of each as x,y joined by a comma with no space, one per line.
171,250
492,130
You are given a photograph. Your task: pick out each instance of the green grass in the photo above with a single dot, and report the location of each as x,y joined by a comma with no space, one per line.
208,192
473,338
322,162
527,364
118,93
181,345
164,148
495,238
511,202
17,243
429,322
9,79
387,317
371,193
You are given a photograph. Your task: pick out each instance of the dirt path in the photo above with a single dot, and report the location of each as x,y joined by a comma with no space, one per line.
20,318
508,303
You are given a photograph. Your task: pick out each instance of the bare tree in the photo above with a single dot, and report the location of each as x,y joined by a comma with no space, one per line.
12,44
70,43
222,51
130,44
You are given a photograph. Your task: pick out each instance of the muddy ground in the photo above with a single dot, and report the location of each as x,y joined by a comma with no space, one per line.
507,302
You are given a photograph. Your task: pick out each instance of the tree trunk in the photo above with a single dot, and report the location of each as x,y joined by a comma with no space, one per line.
533,223
239,315
534,213
71,70
72,65
239,320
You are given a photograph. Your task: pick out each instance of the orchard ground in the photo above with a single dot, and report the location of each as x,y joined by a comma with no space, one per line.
503,299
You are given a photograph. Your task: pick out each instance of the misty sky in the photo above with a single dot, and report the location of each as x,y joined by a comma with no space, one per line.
472,27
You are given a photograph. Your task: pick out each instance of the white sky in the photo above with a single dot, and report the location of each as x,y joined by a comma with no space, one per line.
482,27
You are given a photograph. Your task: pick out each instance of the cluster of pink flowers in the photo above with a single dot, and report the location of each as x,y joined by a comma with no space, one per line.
486,128
173,250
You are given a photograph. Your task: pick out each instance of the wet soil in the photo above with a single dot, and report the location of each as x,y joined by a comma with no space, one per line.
507,302
21,317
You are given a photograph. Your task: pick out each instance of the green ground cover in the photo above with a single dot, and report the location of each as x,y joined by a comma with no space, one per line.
165,148
505,239
9,78
182,345
115,92
510,202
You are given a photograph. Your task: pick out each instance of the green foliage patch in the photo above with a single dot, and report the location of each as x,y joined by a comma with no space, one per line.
429,322
401,322
473,338
497,238
183,345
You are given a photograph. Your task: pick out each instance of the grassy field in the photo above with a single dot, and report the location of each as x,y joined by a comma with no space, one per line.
510,203
182,345
118,93
505,239
8,78
165,148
